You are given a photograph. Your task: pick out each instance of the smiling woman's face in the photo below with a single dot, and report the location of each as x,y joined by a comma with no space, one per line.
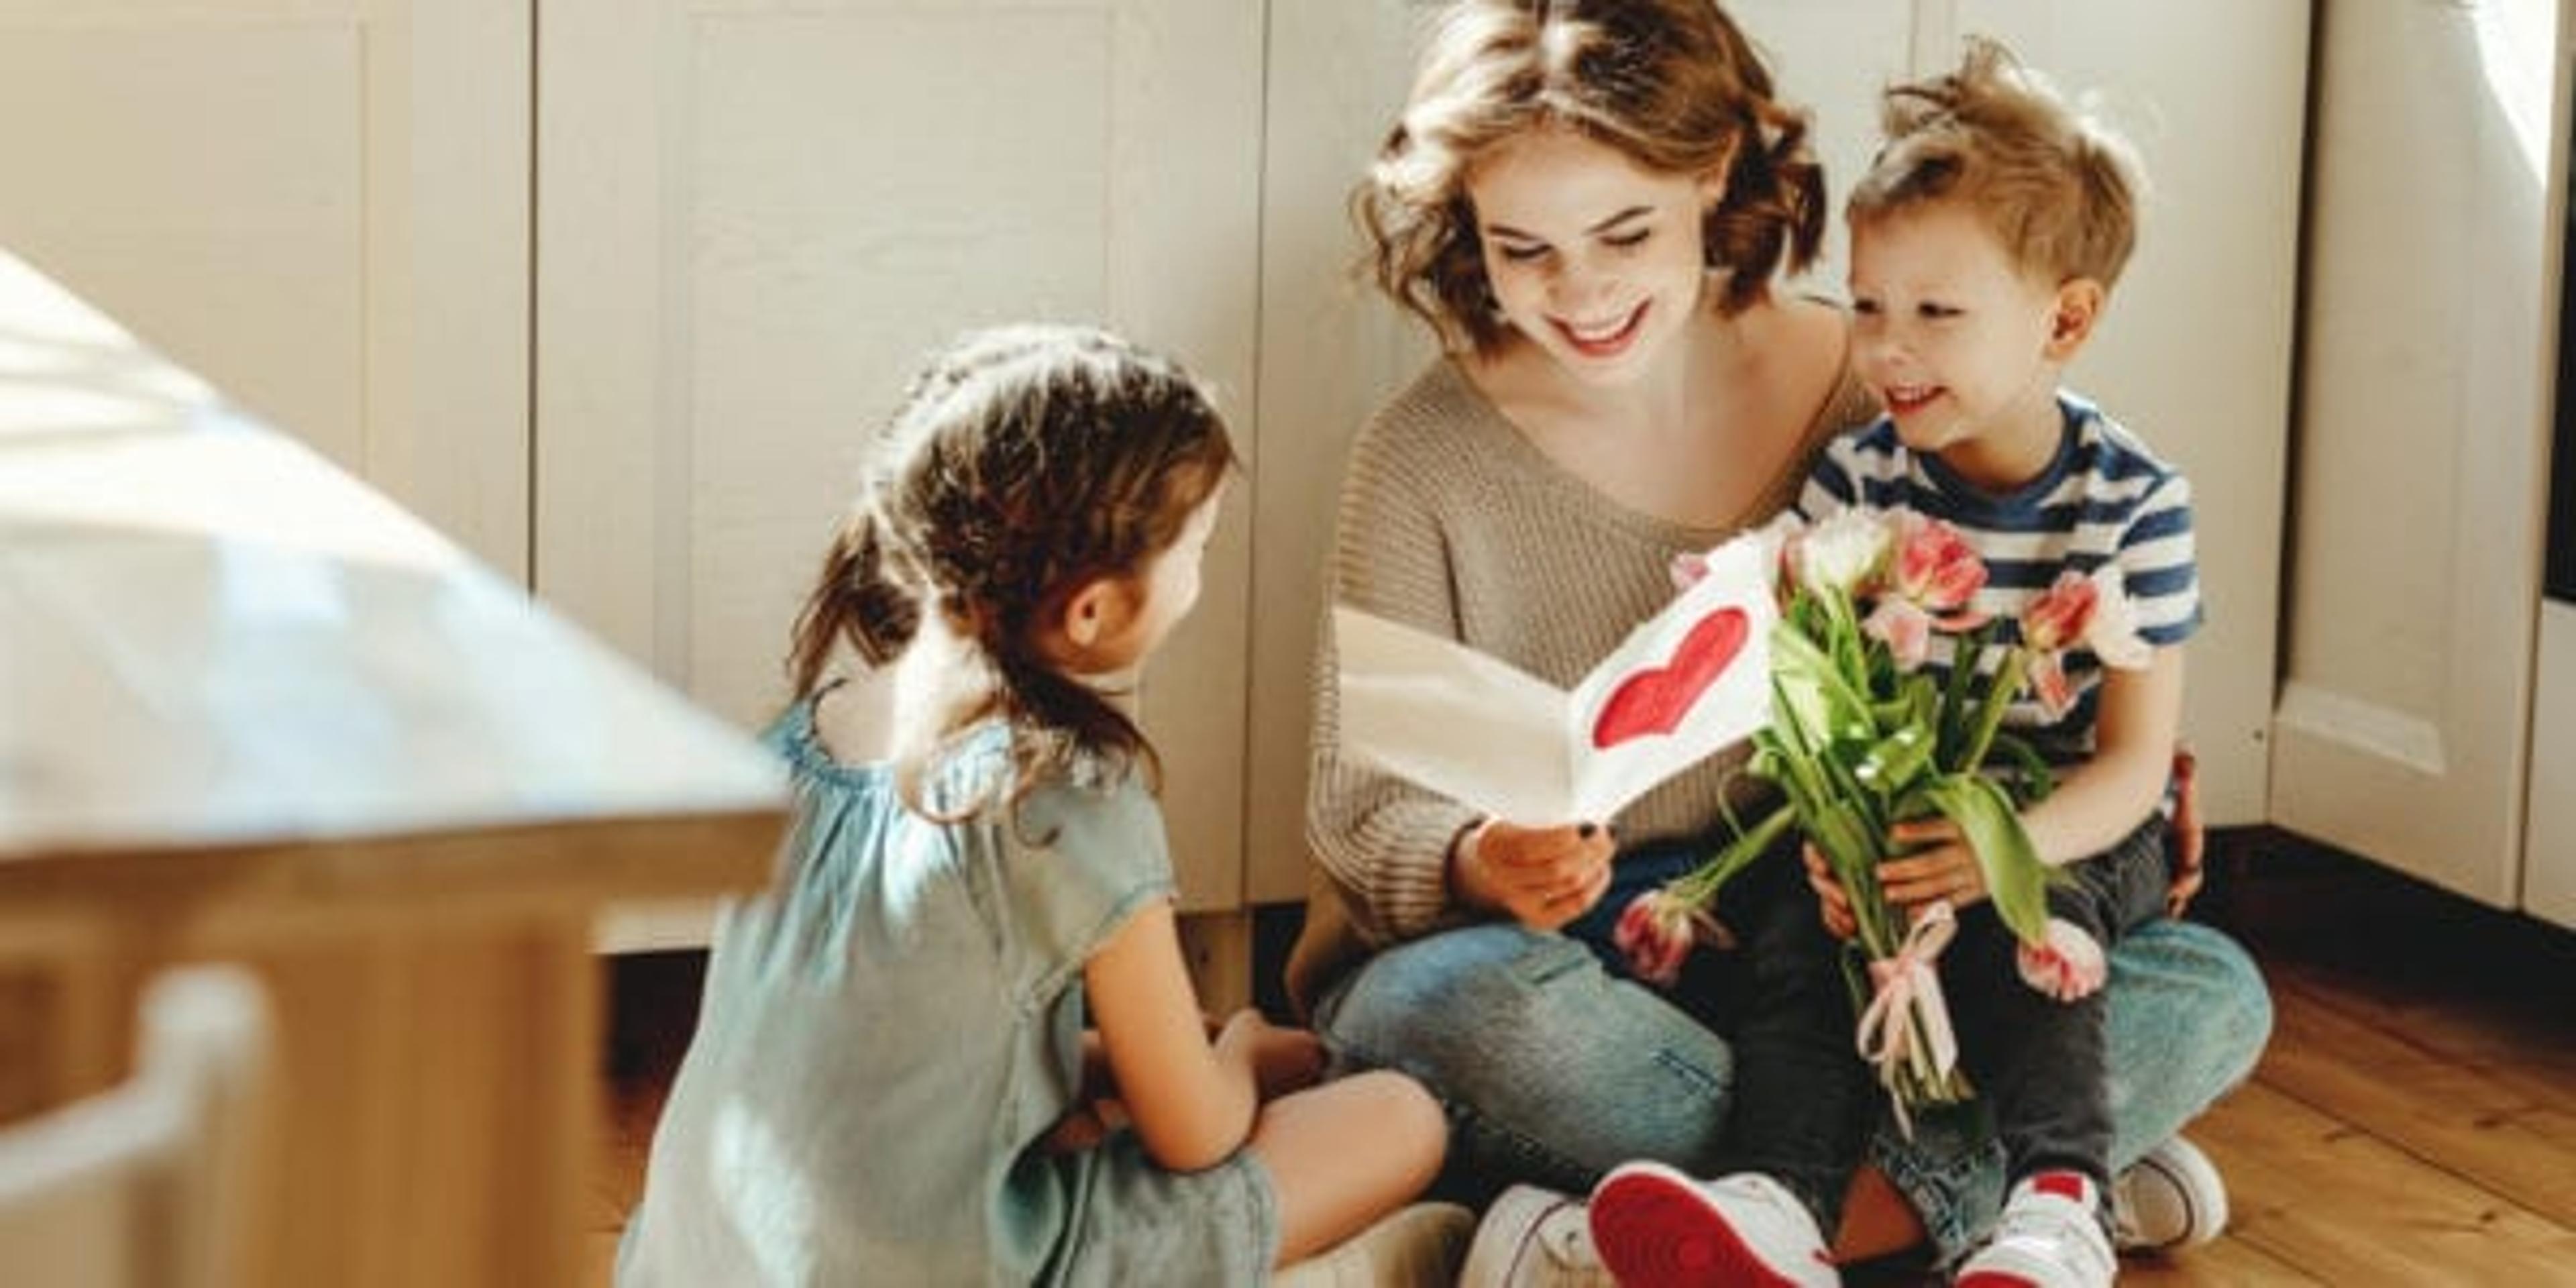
1594,257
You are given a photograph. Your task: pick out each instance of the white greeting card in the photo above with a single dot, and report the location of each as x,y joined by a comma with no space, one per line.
1689,681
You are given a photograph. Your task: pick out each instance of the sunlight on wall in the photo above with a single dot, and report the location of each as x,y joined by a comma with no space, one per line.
2518,47
98,433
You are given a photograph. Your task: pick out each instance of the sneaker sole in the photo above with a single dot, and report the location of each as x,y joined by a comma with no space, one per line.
1654,1229
2187,1179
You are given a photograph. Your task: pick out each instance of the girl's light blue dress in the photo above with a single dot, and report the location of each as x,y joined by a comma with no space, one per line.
889,1031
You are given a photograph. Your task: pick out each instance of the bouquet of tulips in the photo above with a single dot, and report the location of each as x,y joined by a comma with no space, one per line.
1863,737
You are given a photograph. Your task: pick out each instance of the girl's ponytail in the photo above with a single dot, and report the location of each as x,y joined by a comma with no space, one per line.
856,598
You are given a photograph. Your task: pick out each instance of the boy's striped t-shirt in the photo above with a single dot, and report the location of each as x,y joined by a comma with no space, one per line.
2104,498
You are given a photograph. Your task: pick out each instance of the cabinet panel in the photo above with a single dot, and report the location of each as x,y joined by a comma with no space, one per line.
2549,876
2415,575
756,220
320,206
1332,349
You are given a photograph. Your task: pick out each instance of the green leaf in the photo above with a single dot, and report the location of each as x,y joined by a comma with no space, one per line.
2033,780
1893,763
1990,712
1956,701
2015,878
1800,676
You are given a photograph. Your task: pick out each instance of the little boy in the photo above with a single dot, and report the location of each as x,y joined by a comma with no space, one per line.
1985,241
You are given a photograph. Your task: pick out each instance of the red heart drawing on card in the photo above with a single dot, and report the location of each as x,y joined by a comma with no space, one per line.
1655,700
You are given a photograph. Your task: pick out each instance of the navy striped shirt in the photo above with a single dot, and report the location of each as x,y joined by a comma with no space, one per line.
2104,498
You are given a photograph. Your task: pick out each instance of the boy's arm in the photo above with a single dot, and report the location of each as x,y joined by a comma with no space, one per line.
2095,804
2105,798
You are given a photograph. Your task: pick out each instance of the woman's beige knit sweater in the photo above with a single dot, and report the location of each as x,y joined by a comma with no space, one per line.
1453,522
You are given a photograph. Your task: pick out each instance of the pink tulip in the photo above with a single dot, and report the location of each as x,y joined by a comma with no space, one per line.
1937,570
2058,617
2094,611
1905,627
1656,934
2067,963
2049,684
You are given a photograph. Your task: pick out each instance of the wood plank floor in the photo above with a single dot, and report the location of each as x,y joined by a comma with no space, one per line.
2412,1123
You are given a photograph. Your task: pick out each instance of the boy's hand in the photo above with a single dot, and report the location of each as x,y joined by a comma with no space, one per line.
1946,870
1542,877
1831,903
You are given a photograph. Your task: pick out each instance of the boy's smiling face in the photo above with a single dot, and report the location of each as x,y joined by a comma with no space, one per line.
1963,345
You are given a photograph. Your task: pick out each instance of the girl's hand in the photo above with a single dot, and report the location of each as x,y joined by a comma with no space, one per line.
1831,902
1286,1060
1541,877
1281,1059
1946,870
1083,1127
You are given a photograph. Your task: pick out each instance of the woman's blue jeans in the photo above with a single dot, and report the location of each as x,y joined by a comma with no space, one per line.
1556,1066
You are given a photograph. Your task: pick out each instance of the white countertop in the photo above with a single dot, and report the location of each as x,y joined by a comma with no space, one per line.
211,637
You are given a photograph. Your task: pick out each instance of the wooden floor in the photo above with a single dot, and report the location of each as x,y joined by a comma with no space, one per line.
2413,1122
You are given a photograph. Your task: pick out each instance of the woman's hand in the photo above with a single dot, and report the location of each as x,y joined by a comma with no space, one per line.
2189,839
1943,869
1540,877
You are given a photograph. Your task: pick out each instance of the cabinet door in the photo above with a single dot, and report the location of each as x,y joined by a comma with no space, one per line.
2415,573
2195,351
321,206
756,218
2549,884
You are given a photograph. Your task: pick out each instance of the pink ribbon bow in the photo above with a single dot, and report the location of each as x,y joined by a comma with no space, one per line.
1907,989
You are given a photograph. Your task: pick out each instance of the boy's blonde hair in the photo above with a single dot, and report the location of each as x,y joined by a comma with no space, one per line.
1672,84
2058,189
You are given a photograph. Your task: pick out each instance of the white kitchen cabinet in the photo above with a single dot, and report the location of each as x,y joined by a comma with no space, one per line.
321,205
752,218
2407,692
755,219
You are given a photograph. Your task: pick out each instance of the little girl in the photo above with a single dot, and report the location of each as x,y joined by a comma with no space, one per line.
972,942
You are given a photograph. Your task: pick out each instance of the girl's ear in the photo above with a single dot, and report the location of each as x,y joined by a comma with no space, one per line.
1097,610
2079,305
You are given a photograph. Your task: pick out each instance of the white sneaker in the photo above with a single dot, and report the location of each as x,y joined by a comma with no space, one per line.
1412,1247
1658,1227
2048,1238
1534,1238
2170,1199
